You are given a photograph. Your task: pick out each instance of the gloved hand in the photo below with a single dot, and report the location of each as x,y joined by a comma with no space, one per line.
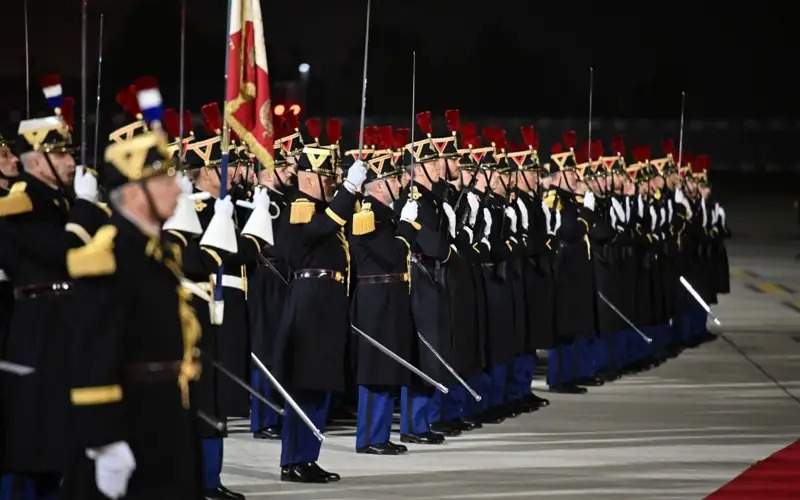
114,465
224,207
259,224
220,232
523,213
588,200
640,206
451,218
184,183
410,211
85,185
653,219
356,175
512,217
721,215
547,219
487,218
558,222
261,197
474,202
679,196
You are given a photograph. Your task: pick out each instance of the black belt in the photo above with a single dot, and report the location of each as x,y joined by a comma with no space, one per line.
153,371
381,279
319,274
55,289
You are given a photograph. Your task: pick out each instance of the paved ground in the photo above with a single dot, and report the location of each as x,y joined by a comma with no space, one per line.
679,431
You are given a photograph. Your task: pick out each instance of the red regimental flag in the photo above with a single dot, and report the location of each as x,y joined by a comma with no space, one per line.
248,107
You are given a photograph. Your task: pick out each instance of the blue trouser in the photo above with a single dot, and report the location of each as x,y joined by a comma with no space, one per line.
374,425
447,407
481,383
212,462
498,375
616,348
583,353
415,411
521,377
298,443
261,415
29,487
561,365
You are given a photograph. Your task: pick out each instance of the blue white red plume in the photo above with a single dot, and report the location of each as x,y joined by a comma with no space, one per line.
149,98
51,86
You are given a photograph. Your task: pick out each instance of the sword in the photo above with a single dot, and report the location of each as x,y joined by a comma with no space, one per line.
416,371
205,417
619,313
591,102
699,300
364,86
288,398
83,82
182,86
16,369
680,139
241,383
269,265
470,390
97,103
411,170
27,64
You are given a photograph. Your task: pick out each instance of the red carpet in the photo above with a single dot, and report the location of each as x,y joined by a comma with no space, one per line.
777,476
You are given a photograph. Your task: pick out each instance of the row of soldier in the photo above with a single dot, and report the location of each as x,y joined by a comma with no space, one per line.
461,258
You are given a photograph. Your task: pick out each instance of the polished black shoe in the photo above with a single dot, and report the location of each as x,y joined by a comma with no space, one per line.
399,447
379,449
474,423
542,402
222,493
465,426
492,417
568,389
590,381
609,375
424,438
302,473
332,477
273,432
446,429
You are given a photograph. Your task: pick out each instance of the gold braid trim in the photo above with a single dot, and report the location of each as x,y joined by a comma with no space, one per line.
190,330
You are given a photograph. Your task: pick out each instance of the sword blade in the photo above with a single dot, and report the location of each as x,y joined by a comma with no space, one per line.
288,398
413,115
241,383
624,318
470,390
83,82
688,286
680,138
416,371
15,368
364,85
97,102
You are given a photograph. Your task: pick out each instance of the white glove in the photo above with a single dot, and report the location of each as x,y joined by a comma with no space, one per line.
640,206
679,196
469,232
451,218
184,183
669,211
259,224
487,218
220,232
617,210
705,212
523,214
474,202
588,200
721,215
512,217
653,219
410,211
627,209
547,219
613,214
714,215
85,184
114,465
663,214
356,175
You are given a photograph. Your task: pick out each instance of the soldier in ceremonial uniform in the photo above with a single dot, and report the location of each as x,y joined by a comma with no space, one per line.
310,345
134,352
48,210
9,171
381,303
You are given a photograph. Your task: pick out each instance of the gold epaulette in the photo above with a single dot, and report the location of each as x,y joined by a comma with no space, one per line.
16,201
302,211
96,258
364,220
550,198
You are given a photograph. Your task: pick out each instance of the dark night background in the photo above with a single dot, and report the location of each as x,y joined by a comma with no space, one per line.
499,61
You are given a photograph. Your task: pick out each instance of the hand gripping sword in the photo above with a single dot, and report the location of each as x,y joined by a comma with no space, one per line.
470,390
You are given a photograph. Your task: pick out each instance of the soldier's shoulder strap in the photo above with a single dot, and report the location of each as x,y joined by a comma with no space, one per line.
96,258
17,201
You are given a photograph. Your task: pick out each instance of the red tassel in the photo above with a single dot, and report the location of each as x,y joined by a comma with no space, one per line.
212,118
453,119
425,122
333,128
314,128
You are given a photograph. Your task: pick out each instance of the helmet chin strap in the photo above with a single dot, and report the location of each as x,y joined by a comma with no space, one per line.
389,189
427,175
151,205
59,181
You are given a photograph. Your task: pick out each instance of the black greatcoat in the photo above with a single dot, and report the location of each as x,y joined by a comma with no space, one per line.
430,303
130,320
496,270
538,272
310,344
383,310
607,273
35,407
574,280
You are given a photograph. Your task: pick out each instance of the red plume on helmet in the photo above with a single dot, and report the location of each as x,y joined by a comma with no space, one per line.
668,147
618,145
126,98
556,148
597,148
314,128
212,118
640,153
569,139
528,133
401,137
425,122
68,112
171,122
333,128
453,119
701,164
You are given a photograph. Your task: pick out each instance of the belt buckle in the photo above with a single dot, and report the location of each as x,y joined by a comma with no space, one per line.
338,277
406,277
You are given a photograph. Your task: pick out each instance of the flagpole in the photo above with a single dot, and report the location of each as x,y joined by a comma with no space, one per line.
226,139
